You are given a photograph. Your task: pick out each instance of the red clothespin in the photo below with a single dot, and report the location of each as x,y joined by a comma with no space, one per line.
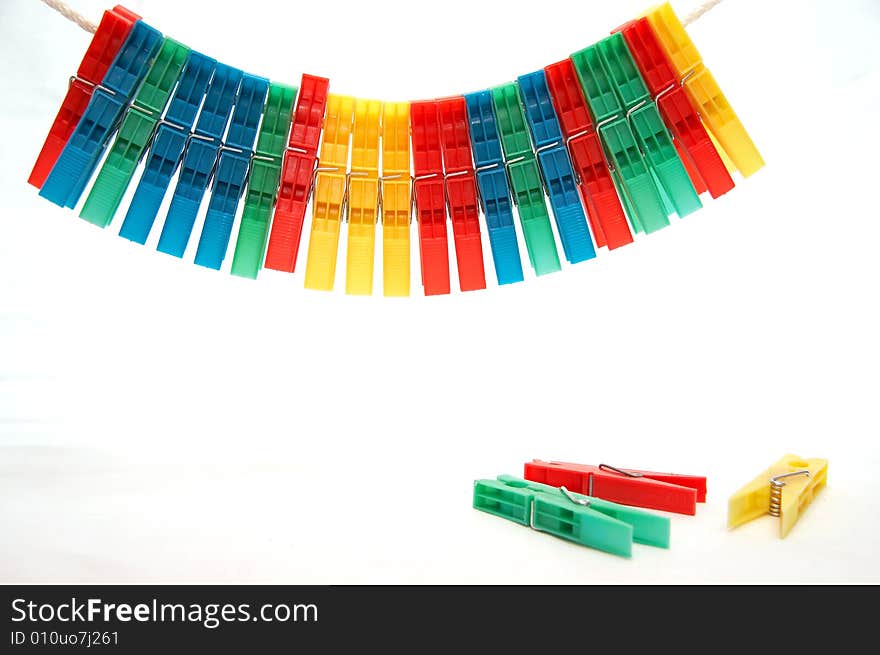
297,174
604,210
429,196
461,192
663,491
698,153
113,29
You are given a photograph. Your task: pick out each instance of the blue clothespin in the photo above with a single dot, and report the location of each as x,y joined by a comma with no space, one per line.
232,170
167,147
70,175
199,156
494,187
571,221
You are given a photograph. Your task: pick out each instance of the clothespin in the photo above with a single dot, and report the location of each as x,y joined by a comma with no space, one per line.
135,133
703,90
555,166
429,194
73,168
525,180
591,522
331,185
654,139
461,192
663,491
199,160
636,187
297,174
494,187
166,149
395,187
784,490
363,197
263,177
231,172
604,210
699,155
112,31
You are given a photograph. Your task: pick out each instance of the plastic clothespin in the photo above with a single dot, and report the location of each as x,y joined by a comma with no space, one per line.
199,159
494,187
591,522
429,195
112,31
331,185
263,177
69,176
784,490
167,147
703,90
231,172
604,210
363,197
555,166
654,139
662,491
525,180
396,199
699,155
461,192
636,187
297,174
135,133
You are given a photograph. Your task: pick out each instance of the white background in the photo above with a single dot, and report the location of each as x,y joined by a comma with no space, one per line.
160,422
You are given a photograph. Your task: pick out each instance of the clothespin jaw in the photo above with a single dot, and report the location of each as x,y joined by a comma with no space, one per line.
331,184
263,179
108,39
661,491
396,199
784,490
135,134
363,197
587,521
708,99
297,174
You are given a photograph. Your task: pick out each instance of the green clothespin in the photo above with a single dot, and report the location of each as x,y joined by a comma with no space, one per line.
525,180
653,137
635,184
263,179
134,134
592,522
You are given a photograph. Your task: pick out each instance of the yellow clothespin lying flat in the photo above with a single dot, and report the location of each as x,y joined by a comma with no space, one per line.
330,189
784,490
363,197
716,112
396,198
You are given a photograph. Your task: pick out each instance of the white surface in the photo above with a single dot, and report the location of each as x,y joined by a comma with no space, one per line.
164,423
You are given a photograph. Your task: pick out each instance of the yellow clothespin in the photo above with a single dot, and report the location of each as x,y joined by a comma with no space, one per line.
331,179
396,198
784,490
716,112
363,197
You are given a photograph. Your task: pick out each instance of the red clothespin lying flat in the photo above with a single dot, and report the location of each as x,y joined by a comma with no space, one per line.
114,27
662,491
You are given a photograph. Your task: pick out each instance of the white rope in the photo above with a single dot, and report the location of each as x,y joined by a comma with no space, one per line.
699,11
65,10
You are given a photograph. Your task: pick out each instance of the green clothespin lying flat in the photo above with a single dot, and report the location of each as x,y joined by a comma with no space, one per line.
591,522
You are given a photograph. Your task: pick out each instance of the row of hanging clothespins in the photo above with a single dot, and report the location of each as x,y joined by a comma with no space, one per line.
603,507
618,137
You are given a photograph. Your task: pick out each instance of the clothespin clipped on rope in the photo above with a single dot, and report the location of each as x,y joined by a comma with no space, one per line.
591,522
784,490
668,492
